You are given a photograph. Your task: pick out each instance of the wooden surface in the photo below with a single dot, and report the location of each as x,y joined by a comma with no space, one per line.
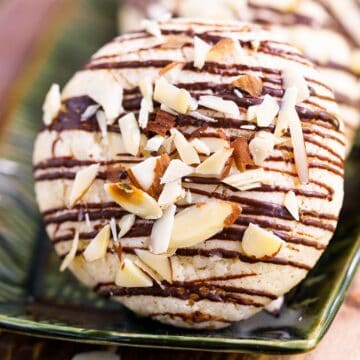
21,21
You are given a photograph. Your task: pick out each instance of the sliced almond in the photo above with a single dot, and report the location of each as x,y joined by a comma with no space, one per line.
159,263
144,113
161,231
259,243
291,203
130,133
200,146
275,306
176,170
215,144
162,124
261,147
113,229
130,275
71,254
134,200
170,95
201,49
293,78
154,143
98,246
146,89
186,151
88,222
216,103
253,85
102,123
146,175
202,221
125,225
215,165
241,154
200,116
152,27
90,111
265,112
171,193
222,50
150,272
246,179
287,111
188,197
171,72
52,104
83,180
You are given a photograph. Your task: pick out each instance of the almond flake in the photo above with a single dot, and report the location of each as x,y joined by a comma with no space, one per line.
200,146
171,193
261,147
144,113
275,306
186,151
188,197
215,144
130,275
286,111
259,243
130,133
175,98
245,179
52,104
71,254
165,108
161,231
154,143
223,50
172,71
146,89
125,224
98,246
216,164
112,224
201,49
83,180
253,85
148,271
238,93
158,263
216,103
200,222
90,111
88,222
146,175
200,116
291,203
162,124
102,123
241,154
293,78
134,200
265,112
107,92
176,170
152,27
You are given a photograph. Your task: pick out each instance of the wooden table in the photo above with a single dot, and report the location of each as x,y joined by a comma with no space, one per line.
21,21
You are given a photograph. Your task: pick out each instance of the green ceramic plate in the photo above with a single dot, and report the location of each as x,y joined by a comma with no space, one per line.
36,299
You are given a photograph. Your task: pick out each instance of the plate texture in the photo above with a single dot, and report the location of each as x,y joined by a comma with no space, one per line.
35,298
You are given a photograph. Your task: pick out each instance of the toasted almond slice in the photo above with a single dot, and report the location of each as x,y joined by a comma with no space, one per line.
161,231
154,143
222,50
172,71
83,180
259,243
176,170
246,178
201,49
202,221
186,151
108,92
292,77
152,27
216,103
162,124
215,164
90,111
113,229
200,146
171,193
130,275
275,306
170,95
159,263
148,271
98,246
291,203
71,254
261,147
88,222
287,111
146,89
144,113
201,116
215,144
125,224
130,133
52,104
265,112
102,123
253,85
134,200
241,153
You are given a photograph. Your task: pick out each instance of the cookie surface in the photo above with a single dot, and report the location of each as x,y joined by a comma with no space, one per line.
224,152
